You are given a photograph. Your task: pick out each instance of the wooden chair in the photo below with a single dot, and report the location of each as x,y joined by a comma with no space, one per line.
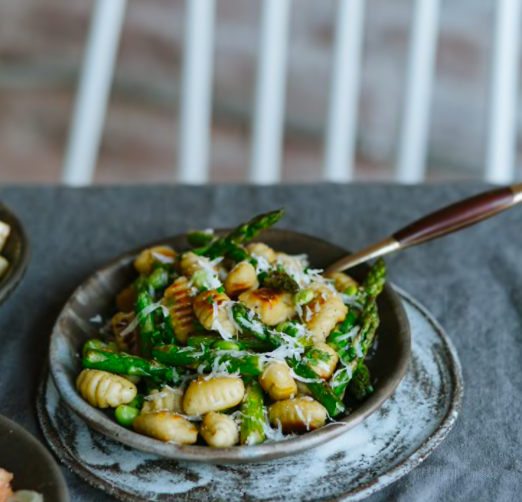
267,127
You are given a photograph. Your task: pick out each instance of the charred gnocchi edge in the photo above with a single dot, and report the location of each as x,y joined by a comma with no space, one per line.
251,342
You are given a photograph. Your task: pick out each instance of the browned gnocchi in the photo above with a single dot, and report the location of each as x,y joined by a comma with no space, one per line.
297,415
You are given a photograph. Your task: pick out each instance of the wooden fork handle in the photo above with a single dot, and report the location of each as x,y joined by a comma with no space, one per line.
459,215
442,222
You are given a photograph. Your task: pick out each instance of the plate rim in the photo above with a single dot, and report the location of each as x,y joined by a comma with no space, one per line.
364,490
439,434
194,453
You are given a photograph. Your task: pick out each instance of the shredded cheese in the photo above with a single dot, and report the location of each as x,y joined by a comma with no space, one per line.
217,326
143,313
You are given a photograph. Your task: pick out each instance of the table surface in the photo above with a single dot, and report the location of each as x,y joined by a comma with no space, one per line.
471,281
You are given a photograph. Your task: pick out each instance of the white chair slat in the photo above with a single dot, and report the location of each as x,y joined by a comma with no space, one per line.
93,92
341,129
501,150
270,93
196,93
411,162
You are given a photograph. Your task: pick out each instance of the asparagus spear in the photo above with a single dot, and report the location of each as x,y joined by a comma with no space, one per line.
146,322
250,322
250,365
160,277
126,364
374,282
198,238
252,344
247,231
371,287
361,387
361,343
95,343
253,326
320,390
252,413
241,234
178,356
279,279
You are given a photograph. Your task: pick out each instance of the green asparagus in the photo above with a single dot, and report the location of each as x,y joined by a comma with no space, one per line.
320,390
246,343
125,364
357,351
243,233
251,365
249,322
160,277
252,415
198,238
146,322
361,387
279,279
95,343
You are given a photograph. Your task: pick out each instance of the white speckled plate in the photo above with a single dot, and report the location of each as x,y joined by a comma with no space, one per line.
386,446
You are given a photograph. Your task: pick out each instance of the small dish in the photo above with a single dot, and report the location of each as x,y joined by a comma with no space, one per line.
32,465
17,252
96,295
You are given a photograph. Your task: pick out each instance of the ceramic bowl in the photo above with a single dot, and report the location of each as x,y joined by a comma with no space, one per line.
32,465
17,252
96,295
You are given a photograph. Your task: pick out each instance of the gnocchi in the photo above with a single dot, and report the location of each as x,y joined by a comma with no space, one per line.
324,311
166,426
192,263
181,309
103,390
272,306
148,257
277,381
242,277
168,399
297,415
210,309
342,281
261,249
219,430
322,359
216,394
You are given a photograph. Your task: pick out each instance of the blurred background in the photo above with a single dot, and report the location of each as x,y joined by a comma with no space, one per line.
41,51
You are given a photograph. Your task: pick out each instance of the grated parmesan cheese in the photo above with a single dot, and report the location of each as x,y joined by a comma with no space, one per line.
162,258
295,376
217,326
143,313
300,414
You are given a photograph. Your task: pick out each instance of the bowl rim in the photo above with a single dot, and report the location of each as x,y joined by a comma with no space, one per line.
17,269
267,451
57,481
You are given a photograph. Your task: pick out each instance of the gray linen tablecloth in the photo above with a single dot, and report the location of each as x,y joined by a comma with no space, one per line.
472,282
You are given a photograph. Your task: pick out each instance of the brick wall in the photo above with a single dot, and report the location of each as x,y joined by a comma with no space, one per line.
41,43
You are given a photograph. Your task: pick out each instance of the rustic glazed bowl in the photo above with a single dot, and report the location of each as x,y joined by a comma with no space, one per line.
32,465
16,251
96,295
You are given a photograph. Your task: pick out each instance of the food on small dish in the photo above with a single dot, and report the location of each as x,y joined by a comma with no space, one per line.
5,230
232,343
7,494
